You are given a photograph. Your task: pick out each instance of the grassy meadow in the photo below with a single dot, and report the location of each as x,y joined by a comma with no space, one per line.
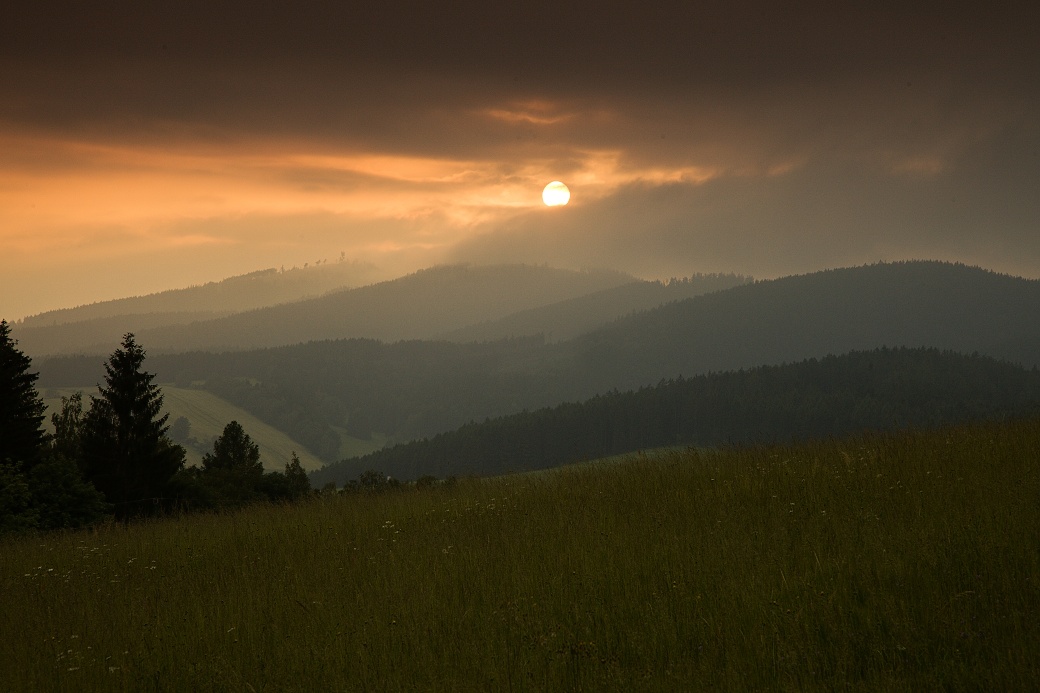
878,563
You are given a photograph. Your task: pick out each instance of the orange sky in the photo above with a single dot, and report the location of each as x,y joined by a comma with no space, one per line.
141,151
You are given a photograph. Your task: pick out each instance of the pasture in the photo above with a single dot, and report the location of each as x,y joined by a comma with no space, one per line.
900,562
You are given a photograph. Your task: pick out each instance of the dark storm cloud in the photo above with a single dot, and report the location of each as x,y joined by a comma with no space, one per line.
985,212
756,137
275,66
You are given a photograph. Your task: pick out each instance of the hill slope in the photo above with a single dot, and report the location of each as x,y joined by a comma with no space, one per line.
412,390
97,328
207,415
416,306
932,304
568,319
835,396
412,307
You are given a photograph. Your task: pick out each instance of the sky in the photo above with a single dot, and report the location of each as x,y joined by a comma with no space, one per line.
147,146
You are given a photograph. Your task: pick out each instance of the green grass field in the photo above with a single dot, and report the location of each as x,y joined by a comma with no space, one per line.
208,415
880,563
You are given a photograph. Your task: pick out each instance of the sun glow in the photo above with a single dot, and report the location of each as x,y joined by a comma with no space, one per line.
556,194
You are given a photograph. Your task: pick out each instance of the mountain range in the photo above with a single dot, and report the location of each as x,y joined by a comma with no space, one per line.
328,394
456,302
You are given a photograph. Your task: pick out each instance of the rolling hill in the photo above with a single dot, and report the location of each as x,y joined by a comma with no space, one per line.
207,415
98,327
416,306
319,391
568,319
913,304
835,396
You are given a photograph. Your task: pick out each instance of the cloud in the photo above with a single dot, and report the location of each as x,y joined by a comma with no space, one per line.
821,214
752,137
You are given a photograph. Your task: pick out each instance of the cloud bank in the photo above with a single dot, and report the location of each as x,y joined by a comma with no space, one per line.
145,147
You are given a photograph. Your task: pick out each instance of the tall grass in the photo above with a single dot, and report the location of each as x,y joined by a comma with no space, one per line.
903,562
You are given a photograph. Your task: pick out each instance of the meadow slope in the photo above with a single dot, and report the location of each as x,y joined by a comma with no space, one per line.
876,563
208,415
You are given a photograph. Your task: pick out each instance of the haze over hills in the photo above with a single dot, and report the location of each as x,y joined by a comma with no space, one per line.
913,304
884,389
568,319
98,327
416,306
234,294
322,391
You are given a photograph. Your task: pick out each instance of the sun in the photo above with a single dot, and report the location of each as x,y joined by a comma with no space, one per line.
556,194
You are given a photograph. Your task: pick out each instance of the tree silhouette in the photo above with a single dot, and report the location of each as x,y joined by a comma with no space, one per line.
68,427
126,452
233,471
234,449
299,484
22,437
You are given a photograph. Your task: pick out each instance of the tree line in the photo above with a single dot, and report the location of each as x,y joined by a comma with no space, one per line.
883,389
115,458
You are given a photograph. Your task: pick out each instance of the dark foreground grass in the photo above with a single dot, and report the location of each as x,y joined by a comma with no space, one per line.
904,563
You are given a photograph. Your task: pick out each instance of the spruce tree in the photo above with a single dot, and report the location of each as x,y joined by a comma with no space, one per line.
233,471
299,482
22,437
126,452
234,449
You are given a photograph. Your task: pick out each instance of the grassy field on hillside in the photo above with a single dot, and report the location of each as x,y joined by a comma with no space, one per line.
879,563
208,415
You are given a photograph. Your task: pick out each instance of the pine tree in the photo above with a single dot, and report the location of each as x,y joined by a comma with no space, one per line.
234,449
22,437
126,452
233,471
298,482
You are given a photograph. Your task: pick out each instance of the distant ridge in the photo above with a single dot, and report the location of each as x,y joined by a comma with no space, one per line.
884,389
904,304
568,319
241,292
97,328
320,391
415,306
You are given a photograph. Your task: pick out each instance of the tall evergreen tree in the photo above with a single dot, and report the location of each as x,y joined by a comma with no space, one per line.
22,437
126,452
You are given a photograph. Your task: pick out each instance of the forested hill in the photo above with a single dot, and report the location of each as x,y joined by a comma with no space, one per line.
234,294
416,306
97,328
322,391
833,396
932,304
568,319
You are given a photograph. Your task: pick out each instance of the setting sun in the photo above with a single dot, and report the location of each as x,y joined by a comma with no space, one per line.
556,194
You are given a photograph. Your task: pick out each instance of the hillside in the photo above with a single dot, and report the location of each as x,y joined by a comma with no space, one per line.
903,562
835,396
932,304
568,319
97,328
315,392
206,415
416,306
